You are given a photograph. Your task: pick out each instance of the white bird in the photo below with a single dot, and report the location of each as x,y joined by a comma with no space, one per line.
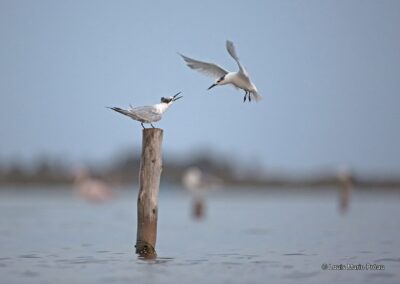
238,79
197,181
91,188
148,114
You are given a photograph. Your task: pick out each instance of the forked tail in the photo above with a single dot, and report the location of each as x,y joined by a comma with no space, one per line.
256,96
120,110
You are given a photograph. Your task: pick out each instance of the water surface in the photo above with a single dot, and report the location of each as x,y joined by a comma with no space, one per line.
247,236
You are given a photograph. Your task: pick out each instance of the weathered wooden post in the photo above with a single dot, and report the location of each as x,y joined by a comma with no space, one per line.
149,183
198,207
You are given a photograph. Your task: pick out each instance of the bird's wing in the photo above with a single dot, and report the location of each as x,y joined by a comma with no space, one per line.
232,51
146,113
206,68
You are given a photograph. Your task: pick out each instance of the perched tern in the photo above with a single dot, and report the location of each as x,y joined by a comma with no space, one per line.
240,79
148,114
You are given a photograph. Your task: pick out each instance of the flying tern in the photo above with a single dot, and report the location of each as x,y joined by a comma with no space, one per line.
239,79
149,114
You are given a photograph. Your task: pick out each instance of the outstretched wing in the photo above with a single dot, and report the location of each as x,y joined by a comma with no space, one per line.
232,51
206,68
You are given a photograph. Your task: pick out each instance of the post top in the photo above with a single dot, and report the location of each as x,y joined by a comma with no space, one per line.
152,129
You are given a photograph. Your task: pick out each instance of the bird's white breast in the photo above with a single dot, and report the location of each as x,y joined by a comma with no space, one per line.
161,108
241,81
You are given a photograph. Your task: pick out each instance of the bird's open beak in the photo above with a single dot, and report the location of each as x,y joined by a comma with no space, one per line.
175,98
212,86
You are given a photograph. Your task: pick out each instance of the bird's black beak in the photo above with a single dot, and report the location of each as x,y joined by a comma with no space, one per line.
212,86
175,97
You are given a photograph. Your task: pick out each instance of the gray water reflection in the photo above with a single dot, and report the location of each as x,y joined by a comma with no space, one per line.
247,237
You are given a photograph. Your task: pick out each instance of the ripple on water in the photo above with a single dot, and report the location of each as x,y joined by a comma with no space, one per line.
265,262
224,254
388,259
158,260
196,261
32,255
380,274
246,256
231,263
85,260
299,274
30,274
347,258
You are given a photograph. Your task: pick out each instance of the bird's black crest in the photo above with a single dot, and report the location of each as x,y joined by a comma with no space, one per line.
165,100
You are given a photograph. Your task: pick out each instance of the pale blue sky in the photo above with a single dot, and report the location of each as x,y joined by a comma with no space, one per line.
329,72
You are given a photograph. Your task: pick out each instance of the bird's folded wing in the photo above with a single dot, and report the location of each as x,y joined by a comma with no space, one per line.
206,68
232,51
147,113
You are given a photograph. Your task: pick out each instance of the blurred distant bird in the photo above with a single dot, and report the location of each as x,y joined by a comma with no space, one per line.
240,79
148,114
90,188
198,183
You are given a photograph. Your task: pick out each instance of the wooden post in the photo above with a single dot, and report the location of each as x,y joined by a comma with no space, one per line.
198,207
149,183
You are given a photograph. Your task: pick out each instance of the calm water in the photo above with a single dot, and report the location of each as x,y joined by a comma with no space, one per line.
51,236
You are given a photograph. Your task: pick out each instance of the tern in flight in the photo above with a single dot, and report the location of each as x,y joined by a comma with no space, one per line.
148,114
239,79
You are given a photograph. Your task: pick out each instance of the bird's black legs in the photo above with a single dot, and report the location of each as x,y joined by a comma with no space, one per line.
247,95
145,127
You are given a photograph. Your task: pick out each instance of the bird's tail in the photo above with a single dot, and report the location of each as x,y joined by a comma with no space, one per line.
256,96
120,110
